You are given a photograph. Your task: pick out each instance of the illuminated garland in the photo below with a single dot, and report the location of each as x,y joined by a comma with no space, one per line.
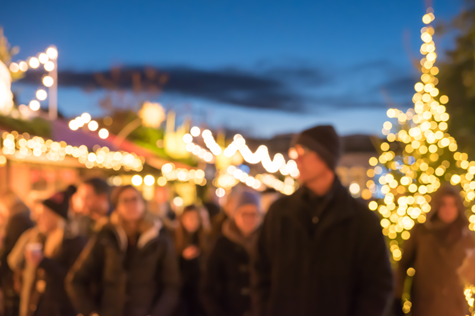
239,144
23,146
49,61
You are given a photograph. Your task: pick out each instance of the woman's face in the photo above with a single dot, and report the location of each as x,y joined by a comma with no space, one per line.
191,221
130,205
47,220
247,218
448,211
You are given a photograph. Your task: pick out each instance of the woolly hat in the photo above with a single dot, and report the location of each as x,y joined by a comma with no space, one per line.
324,141
247,198
59,203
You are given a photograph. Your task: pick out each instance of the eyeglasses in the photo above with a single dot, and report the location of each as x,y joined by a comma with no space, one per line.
298,151
131,200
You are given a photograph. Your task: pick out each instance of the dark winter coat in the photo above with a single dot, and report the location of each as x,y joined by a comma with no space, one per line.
137,281
436,287
54,301
17,224
43,292
226,289
324,256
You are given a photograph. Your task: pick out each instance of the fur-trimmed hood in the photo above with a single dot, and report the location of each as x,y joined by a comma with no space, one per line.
149,229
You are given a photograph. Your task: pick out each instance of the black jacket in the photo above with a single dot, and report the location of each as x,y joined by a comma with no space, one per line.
138,283
227,280
54,301
323,256
16,226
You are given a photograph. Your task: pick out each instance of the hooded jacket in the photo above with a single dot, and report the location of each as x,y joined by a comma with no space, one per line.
226,289
436,251
324,256
42,289
131,283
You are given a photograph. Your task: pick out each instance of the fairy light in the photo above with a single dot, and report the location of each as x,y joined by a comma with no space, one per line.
34,105
428,158
41,95
34,62
239,144
22,146
170,173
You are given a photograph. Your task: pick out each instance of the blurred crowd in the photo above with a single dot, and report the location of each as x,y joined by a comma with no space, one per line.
95,250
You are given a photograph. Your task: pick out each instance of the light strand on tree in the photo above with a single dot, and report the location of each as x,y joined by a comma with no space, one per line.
418,156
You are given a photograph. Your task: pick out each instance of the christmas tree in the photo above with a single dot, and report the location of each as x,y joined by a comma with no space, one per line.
418,156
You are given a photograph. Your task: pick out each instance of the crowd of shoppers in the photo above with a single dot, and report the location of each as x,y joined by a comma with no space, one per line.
98,251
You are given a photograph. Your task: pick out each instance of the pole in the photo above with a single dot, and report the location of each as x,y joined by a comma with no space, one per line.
53,91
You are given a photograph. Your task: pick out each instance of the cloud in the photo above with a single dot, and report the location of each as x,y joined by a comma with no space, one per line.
291,86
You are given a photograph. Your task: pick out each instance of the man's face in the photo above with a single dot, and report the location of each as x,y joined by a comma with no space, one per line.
87,202
309,163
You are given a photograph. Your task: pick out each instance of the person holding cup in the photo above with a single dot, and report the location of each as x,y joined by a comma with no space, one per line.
43,256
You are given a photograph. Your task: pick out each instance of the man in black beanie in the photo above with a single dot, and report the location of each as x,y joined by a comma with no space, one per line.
320,252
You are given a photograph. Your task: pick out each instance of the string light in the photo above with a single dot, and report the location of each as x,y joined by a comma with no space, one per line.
239,144
34,105
103,133
34,62
48,81
429,156
22,146
41,95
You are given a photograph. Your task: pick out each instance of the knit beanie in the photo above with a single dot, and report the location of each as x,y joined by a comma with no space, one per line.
247,198
324,141
59,203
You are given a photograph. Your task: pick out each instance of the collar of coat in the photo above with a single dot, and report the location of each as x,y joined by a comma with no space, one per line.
149,230
337,206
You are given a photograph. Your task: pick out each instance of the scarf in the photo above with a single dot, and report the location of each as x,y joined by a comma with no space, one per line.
232,232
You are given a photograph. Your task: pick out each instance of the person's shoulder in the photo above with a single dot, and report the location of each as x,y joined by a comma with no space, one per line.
280,205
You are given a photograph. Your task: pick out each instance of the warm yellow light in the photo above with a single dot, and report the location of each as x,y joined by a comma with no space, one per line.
426,18
41,95
48,81
455,179
52,53
391,113
93,126
426,37
162,181
34,105
419,87
34,62
49,66
149,180
73,125
136,180
43,58
220,192
354,188
23,66
444,99
103,133
86,118
14,67
195,131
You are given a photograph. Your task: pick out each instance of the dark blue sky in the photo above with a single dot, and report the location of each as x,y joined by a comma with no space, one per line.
263,66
